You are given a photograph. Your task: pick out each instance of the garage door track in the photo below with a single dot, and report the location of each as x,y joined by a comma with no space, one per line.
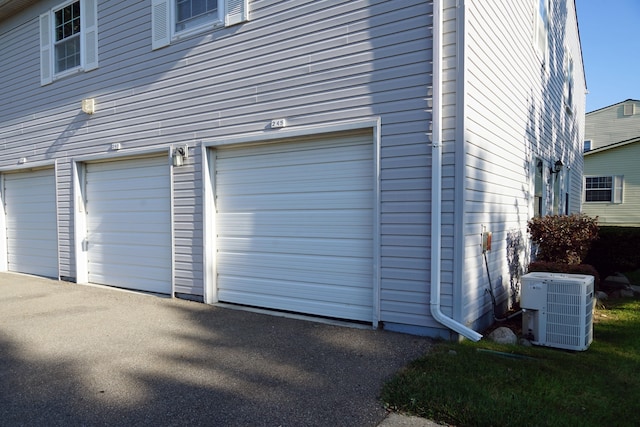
82,355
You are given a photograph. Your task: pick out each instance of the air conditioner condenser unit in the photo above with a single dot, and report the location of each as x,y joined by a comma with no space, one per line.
558,309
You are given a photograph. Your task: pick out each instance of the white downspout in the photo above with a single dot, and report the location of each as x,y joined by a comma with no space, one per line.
436,180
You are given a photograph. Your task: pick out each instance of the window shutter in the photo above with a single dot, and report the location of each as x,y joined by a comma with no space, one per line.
236,11
617,189
160,23
90,22
46,72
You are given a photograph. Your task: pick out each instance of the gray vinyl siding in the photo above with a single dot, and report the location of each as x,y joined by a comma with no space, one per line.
515,113
609,125
313,63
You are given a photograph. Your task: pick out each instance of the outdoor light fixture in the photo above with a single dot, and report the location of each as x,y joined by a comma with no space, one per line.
557,167
89,106
179,154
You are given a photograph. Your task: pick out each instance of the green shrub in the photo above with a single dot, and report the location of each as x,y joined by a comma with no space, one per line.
555,267
564,239
616,250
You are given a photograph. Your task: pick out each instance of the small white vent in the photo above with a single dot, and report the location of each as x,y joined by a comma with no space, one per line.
629,109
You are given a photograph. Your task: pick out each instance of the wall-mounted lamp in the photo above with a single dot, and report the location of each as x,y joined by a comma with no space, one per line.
557,167
179,154
89,106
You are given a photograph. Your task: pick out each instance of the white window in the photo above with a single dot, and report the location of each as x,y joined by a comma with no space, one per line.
194,13
172,19
603,189
68,39
587,145
541,29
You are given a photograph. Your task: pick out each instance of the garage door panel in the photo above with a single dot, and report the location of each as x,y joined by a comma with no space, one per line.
295,226
33,239
124,281
299,186
25,254
129,224
307,153
298,225
32,226
327,293
118,216
307,173
290,263
333,177
321,246
124,170
30,212
295,201
136,251
151,202
131,194
126,228
313,307
128,271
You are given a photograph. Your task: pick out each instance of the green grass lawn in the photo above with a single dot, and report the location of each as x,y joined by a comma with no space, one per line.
486,384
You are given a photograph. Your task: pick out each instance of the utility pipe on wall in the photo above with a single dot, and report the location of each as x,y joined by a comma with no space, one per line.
436,180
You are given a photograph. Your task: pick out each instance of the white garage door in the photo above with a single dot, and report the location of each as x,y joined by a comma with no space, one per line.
129,224
294,226
32,237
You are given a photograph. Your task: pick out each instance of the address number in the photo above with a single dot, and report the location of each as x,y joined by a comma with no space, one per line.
278,123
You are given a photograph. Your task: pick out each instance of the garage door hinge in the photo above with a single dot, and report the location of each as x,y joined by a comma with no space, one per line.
85,245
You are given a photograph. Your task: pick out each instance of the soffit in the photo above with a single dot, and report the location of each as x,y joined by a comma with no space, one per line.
11,7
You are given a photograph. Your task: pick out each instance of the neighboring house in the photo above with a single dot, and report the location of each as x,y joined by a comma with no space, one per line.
611,174
332,158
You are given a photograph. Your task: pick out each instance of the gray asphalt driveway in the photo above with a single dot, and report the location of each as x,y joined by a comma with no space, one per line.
83,355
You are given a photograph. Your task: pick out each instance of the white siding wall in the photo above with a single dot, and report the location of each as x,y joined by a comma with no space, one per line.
609,125
515,113
310,62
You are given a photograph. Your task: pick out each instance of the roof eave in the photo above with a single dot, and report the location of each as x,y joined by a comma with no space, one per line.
8,8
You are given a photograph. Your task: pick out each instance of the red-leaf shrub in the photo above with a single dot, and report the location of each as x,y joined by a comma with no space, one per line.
564,239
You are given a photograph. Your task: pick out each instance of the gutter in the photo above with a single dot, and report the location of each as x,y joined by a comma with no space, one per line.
436,181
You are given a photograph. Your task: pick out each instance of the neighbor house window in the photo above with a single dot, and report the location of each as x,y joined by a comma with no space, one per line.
172,19
68,39
603,189
587,145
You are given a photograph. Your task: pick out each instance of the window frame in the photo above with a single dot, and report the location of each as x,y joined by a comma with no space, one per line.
569,84
164,20
64,40
88,36
541,29
214,21
616,189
